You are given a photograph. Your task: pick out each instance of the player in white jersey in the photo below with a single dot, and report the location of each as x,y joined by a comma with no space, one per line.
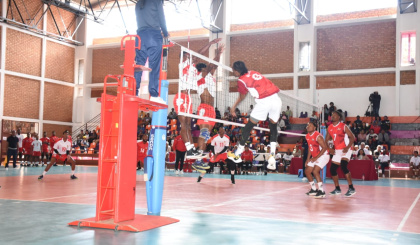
62,151
20,146
36,150
182,100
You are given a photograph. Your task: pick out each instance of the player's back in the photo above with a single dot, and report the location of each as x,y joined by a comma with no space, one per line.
257,85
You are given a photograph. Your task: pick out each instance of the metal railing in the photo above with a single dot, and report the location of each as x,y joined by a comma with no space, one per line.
90,125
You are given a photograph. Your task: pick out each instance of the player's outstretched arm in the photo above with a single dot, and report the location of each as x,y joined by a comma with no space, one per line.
351,138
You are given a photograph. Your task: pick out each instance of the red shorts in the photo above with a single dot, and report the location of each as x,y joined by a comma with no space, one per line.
45,150
58,157
205,110
184,101
222,157
20,149
140,158
36,154
27,152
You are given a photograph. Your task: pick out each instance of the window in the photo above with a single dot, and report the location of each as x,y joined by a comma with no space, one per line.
408,49
304,56
80,71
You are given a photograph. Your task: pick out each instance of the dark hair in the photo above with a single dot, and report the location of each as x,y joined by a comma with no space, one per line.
364,154
200,66
66,132
416,152
338,113
314,122
240,67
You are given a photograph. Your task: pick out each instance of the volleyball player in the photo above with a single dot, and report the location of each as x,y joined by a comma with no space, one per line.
338,131
44,153
182,100
27,149
62,151
36,150
142,151
317,160
53,140
20,147
267,103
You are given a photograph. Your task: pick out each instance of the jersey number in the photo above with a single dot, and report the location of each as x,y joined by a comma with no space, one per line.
63,149
335,136
310,147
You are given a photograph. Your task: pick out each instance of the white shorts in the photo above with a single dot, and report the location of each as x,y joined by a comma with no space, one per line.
340,155
270,105
321,162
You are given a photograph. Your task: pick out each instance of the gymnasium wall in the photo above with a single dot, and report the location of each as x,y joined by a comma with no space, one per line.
356,15
28,78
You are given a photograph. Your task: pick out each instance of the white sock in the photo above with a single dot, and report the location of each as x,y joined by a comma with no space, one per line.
44,173
312,185
189,146
273,146
239,151
320,186
72,172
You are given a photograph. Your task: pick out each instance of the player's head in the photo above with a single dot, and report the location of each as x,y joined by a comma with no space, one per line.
246,147
221,131
416,153
239,68
65,135
18,131
145,138
312,126
185,56
362,145
29,135
53,133
200,67
45,134
13,133
336,116
36,136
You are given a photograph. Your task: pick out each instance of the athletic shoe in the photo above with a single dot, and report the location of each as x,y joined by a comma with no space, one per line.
181,172
304,179
55,164
193,154
73,177
350,192
312,192
335,192
233,157
271,162
40,177
199,179
200,165
158,100
176,172
320,194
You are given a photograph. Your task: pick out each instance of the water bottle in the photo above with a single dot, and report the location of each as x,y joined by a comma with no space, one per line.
363,177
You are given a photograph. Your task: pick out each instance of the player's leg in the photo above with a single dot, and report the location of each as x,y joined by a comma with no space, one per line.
21,160
177,161
73,167
141,57
246,131
320,164
52,162
231,165
205,130
154,51
308,172
181,164
274,103
347,173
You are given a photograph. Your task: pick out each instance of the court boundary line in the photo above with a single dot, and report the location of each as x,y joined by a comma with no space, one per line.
408,213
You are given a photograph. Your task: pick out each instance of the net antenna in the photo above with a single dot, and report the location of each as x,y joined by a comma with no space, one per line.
207,11
223,89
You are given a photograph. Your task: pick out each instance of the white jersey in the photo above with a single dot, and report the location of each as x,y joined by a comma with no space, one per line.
62,147
207,83
415,160
20,137
188,76
220,143
37,145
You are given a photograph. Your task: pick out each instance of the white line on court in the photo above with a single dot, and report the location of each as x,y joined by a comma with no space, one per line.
408,213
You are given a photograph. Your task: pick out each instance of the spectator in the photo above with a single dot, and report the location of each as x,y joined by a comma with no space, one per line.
80,136
355,130
375,99
415,164
375,127
12,148
281,125
237,112
326,112
377,120
369,146
234,141
227,110
314,115
247,158
377,152
261,163
366,127
386,124
358,122
366,150
289,113
361,155
218,115
362,136
372,136
147,119
172,114
287,159
383,138
384,161
284,116
266,141
354,152
180,150
331,108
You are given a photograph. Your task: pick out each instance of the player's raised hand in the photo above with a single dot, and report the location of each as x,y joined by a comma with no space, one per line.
214,41
232,112
220,49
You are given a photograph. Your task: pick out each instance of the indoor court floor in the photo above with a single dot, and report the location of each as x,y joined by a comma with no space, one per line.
270,209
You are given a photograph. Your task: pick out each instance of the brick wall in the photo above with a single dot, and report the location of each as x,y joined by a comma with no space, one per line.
363,46
59,62
186,33
266,53
105,62
173,88
23,56
21,97
303,82
31,6
59,129
261,25
175,51
67,17
354,81
58,102
357,15
407,77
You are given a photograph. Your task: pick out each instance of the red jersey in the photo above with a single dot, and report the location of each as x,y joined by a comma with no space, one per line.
45,142
54,139
179,144
142,149
338,134
258,86
27,143
247,156
314,146
220,143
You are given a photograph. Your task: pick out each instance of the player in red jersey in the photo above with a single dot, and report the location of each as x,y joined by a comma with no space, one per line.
206,88
27,149
44,151
36,150
219,146
53,140
338,131
317,160
267,102
142,151
182,100
62,151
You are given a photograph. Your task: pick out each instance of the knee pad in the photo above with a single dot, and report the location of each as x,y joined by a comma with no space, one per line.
204,134
273,132
344,166
333,169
